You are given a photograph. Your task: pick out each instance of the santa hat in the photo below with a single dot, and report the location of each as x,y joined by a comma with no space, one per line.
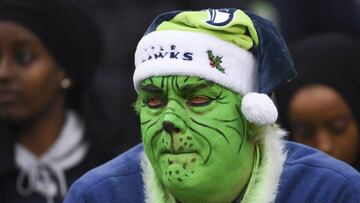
240,51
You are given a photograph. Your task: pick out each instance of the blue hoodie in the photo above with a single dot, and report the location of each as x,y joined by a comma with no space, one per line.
308,175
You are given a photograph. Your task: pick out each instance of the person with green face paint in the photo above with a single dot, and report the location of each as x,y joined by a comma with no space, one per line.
193,130
208,124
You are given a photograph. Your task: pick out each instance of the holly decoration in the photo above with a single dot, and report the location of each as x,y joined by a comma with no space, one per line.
215,61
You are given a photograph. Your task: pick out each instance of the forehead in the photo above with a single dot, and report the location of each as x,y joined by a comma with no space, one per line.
176,82
13,31
317,103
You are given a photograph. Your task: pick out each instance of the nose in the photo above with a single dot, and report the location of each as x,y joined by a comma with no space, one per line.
170,127
324,142
6,70
173,120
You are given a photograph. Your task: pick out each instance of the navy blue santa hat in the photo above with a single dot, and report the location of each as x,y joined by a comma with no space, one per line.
237,50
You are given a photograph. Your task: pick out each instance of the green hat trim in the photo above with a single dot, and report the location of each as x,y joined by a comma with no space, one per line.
240,30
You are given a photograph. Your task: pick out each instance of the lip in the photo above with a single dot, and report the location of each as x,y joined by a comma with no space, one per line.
187,154
7,96
176,152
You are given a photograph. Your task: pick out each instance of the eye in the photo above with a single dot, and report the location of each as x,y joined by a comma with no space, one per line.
154,102
339,125
199,101
24,57
304,131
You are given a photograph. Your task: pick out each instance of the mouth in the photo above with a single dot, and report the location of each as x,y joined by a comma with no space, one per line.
186,161
178,152
176,148
7,96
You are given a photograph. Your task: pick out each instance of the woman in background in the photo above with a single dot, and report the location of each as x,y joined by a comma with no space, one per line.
323,104
48,54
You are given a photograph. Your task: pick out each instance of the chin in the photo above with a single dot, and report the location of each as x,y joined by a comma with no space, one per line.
13,116
182,186
185,180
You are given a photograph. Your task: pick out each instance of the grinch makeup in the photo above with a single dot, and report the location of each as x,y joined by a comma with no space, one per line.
195,138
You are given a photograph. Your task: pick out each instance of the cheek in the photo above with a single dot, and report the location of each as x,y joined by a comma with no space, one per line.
150,133
349,145
306,141
39,88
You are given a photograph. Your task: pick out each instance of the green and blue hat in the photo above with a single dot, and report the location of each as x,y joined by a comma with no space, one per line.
240,51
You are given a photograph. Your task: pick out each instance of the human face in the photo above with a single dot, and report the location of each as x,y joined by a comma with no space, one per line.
29,78
195,137
321,118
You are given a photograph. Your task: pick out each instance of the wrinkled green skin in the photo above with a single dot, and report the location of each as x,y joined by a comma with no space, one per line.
203,152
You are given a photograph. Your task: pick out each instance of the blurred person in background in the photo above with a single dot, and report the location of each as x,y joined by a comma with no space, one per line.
321,108
48,53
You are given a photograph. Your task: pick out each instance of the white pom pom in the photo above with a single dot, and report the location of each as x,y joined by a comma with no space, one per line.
259,109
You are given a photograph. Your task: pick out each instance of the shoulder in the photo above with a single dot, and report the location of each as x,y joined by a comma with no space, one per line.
107,183
301,156
314,176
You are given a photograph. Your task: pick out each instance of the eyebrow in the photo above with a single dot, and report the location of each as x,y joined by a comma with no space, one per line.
151,88
28,43
27,39
194,87
183,90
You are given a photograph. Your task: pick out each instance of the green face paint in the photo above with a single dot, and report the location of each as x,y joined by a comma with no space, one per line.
195,138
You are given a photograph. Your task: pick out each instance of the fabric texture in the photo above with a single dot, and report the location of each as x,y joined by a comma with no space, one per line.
308,176
67,168
45,175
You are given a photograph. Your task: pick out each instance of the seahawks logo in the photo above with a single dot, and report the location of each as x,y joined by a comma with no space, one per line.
220,17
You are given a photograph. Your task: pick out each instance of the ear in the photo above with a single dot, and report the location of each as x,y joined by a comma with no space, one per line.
137,104
60,75
65,81
251,109
254,131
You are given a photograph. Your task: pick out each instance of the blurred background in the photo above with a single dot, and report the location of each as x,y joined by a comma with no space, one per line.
123,23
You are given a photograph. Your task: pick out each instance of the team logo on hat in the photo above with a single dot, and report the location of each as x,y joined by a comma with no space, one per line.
220,17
